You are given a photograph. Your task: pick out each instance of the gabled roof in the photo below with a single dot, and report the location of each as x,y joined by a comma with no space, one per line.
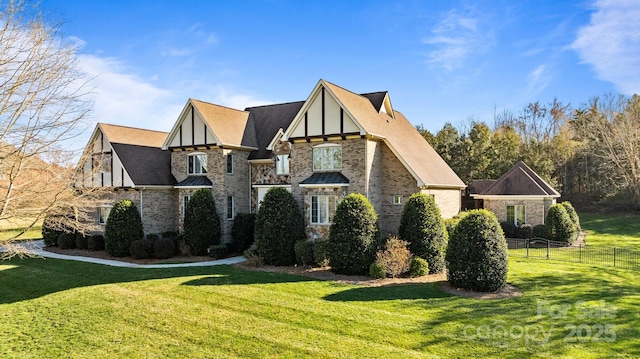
132,135
415,153
477,186
146,166
230,127
520,180
268,120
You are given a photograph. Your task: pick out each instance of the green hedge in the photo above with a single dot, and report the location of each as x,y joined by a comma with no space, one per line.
422,226
201,222
353,236
477,253
279,225
561,227
123,227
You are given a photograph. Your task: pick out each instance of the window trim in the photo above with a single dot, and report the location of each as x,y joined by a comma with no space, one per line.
398,199
327,207
332,167
285,160
231,208
183,204
203,164
106,217
515,213
229,164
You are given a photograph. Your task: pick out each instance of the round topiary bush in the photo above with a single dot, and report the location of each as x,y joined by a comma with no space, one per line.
53,226
541,231
201,222
164,248
509,229
377,270
82,241
67,240
218,251
525,231
422,226
560,226
279,225
477,253
95,242
304,252
141,249
418,267
123,227
572,214
353,236
242,231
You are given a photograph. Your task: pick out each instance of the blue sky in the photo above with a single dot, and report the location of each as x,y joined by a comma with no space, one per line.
441,61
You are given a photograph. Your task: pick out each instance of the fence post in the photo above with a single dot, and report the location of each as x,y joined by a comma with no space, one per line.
580,248
614,257
547,249
527,245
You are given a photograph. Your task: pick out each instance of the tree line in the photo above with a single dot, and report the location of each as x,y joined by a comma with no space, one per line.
590,154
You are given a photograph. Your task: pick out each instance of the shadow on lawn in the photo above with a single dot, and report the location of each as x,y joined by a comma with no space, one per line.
389,292
25,279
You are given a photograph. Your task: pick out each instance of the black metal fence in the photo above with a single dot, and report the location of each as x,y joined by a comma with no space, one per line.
598,255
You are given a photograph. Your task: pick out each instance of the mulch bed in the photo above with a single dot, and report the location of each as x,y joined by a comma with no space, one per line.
105,255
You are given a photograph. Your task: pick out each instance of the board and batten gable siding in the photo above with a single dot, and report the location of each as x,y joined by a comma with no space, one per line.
192,131
118,177
324,116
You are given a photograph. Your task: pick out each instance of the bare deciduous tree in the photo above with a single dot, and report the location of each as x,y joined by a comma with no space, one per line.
43,103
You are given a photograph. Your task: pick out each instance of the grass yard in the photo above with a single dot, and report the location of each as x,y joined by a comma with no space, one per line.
52,308
32,233
614,230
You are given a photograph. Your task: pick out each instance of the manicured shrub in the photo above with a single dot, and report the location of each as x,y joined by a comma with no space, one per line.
321,252
395,257
51,229
541,231
421,225
279,225
67,240
95,242
525,231
142,249
560,226
218,251
572,214
152,237
509,229
477,253
418,267
123,227
451,223
304,252
242,231
81,241
169,234
164,248
377,270
353,236
201,222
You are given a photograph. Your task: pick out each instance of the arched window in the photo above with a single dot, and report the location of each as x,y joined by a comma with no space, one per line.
327,157
197,163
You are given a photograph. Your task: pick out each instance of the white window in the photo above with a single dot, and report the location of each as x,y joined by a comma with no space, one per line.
183,204
516,214
103,214
397,199
229,164
231,208
102,162
323,207
327,158
282,165
197,164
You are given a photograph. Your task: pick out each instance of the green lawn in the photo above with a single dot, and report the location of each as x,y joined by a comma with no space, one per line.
52,308
32,233
615,230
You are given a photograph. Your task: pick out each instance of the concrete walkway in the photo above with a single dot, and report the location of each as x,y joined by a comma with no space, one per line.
35,247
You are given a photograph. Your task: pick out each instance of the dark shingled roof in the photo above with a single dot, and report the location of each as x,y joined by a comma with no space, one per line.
328,178
195,181
267,120
147,166
376,98
520,180
477,186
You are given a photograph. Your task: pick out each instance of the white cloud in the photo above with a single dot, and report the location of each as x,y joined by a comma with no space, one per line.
538,79
611,43
225,96
457,37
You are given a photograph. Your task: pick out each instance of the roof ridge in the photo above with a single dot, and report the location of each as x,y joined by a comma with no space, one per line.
274,104
214,104
131,127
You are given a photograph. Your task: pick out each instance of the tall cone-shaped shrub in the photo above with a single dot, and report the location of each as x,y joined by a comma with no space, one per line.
123,227
201,222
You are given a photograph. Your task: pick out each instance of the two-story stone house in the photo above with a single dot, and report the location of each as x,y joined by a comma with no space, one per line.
334,143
